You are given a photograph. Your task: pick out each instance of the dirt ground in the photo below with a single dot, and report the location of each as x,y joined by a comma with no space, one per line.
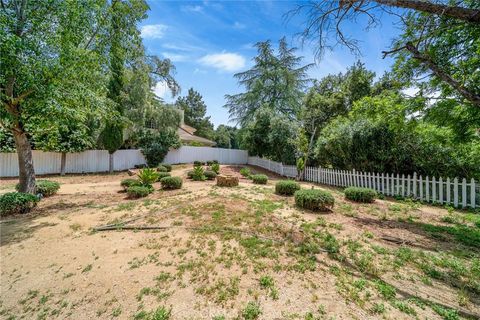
234,253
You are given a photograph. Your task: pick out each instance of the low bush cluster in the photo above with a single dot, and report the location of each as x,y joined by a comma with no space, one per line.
170,183
198,174
314,199
210,175
259,179
162,168
357,194
215,168
127,183
245,172
168,166
135,192
210,163
163,175
286,187
17,202
197,163
45,187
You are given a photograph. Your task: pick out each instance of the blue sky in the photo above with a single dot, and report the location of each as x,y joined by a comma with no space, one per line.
209,41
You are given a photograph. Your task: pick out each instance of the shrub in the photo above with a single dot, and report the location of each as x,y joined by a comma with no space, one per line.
209,163
168,166
286,187
259,179
163,175
138,191
215,168
162,168
45,187
127,183
148,176
155,145
198,174
190,174
210,175
215,162
314,199
245,172
197,163
251,311
17,202
170,183
360,194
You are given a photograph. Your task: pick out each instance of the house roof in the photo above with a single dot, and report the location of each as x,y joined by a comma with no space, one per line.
185,133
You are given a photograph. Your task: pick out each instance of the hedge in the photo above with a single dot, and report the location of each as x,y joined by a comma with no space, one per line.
169,183
314,199
286,187
45,187
210,175
168,166
357,194
162,168
259,179
127,183
163,175
17,202
138,191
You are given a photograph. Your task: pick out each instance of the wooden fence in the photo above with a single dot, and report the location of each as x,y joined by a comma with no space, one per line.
455,192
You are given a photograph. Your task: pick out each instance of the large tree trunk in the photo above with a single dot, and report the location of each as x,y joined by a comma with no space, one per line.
25,162
110,162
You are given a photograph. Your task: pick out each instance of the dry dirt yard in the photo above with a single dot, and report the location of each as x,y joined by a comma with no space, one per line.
234,253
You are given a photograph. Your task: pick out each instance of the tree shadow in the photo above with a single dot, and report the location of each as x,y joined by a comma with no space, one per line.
18,230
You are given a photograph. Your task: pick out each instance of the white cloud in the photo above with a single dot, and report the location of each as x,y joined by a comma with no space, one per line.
153,31
161,89
175,57
196,8
238,25
224,61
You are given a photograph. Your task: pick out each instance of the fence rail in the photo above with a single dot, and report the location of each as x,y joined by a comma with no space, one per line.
455,192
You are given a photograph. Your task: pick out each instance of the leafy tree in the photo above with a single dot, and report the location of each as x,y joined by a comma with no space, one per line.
276,81
194,112
155,144
222,137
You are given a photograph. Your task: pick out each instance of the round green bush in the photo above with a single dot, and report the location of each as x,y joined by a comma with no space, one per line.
45,187
365,195
138,191
210,175
190,174
245,172
314,199
17,202
197,163
163,175
168,166
162,168
127,183
259,179
169,183
286,187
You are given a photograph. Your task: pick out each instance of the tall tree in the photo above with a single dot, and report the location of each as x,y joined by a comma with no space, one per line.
194,109
276,81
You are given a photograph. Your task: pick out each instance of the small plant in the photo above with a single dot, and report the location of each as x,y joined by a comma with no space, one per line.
138,191
245,172
190,174
215,168
148,176
17,202
170,183
314,199
210,175
127,183
197,163
163,175
286,187
360,194
259,179
251,311
168,166
162,168
198,174
45,187
209,163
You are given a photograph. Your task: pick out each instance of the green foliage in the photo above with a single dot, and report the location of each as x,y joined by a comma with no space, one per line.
197,163
168,166
190,174
314,199
169,183
360,194
45,187
251,311
148,176
259,179
210,175
226,137
215,168
162,168
127,183
286,187
155,145
245,172
17,202
198,174
194,109
135,192
163,175
300,164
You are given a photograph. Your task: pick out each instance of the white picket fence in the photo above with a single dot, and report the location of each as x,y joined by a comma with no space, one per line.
98,160
455,192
